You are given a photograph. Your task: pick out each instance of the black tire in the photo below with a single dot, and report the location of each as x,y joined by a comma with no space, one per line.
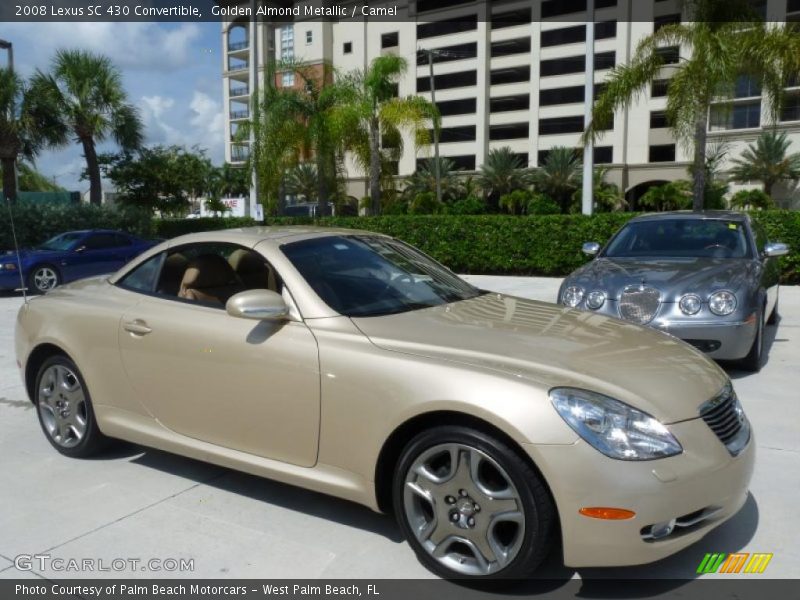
752,362
41,274
531,493
774,317
73,414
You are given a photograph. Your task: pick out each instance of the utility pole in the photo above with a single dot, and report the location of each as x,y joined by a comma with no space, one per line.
588,151
9,47
437,163
253,84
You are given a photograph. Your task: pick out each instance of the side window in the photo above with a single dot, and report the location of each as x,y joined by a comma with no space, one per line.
99,241
210,273
143,278
121,241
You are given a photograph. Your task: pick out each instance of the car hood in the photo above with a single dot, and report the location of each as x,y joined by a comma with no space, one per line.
674,277
558,346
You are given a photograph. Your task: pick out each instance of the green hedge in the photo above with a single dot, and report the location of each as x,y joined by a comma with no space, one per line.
488,244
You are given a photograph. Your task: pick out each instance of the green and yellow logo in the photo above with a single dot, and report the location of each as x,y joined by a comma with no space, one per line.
736,562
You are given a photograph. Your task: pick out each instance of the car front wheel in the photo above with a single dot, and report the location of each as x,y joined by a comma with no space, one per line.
65,409
43,279
470,506
752,362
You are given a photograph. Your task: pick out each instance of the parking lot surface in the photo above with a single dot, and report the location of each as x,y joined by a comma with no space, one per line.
136,503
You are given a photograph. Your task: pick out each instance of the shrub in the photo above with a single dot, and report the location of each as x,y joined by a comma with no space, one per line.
515,202
425,203
541,204
749,199
471,205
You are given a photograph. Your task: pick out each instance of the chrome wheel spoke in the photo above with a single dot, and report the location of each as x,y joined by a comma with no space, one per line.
62,406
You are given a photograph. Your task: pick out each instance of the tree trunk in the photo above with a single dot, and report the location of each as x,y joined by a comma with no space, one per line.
768,188
700,141
322,184
375,166
9,179
93,168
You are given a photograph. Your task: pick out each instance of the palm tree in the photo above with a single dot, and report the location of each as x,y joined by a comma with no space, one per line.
726,42
767,161
502,173
303,181
372,112
22,134
560,176
83,93
424,179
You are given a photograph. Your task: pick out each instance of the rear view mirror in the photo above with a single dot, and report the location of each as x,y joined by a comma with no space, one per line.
257,304
775,249
591,248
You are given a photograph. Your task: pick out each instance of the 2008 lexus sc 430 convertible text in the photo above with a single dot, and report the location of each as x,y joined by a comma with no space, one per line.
351,363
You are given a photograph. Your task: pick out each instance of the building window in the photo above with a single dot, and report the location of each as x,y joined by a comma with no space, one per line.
347,48
510,75
461,163
556,8
746,87
449,53
511,47
287,79
510,131
464,106
511,19
790,109
603,155
447,27
661,153
663,20
287,43
390,40
465,133
577,34
658,119
509,103
792,5
573,94
742,115
670,55
558,125
659,88
448,81
428,5
309,37
576,64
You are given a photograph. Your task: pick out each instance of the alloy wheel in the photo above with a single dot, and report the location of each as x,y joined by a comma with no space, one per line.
62,406
44,279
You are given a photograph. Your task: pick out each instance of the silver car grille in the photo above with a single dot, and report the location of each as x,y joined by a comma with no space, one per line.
725,417
639,304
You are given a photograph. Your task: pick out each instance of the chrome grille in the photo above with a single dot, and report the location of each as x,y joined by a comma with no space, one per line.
639,304
725,417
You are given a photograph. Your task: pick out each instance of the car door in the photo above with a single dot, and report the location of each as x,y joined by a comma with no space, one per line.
243,384
96,254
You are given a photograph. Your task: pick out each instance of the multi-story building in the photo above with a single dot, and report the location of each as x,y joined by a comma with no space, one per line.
509,73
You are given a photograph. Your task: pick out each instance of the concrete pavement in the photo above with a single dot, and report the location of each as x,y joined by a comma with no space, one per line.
146,504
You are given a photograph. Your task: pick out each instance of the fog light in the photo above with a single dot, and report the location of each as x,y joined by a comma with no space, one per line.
661,530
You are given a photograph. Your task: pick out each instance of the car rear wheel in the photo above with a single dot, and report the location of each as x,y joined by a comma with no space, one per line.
470,506
65,409
774,316
43,278
752,362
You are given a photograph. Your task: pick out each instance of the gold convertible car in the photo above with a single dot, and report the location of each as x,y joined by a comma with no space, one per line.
494,428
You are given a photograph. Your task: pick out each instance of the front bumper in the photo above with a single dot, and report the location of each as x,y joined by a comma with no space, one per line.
704,477
721,340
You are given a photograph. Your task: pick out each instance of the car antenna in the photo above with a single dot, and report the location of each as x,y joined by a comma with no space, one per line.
22,288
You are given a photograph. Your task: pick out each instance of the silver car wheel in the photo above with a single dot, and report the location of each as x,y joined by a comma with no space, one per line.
62,406
44,279
463,509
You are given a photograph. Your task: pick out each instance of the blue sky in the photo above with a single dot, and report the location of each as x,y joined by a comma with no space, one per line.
171,71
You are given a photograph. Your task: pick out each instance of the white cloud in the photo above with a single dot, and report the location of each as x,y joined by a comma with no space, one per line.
157,122
208,116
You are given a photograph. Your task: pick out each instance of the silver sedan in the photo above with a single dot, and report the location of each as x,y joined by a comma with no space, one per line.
709,278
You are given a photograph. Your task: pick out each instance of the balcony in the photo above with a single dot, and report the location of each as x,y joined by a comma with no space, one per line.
236,46
240,153
238,66
237,115
238,92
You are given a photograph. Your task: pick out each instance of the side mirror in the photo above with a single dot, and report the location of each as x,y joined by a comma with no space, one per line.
257,304
591,248
775,249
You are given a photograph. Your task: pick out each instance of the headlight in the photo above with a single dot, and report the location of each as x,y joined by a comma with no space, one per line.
690,304
9,267
612,427
572,296
722,303
595,299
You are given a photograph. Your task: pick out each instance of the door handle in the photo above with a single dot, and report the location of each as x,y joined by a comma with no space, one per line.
136,327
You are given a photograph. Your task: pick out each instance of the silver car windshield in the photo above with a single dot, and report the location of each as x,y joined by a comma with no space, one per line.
360,276
680,238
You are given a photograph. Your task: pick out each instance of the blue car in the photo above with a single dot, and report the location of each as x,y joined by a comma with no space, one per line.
70,256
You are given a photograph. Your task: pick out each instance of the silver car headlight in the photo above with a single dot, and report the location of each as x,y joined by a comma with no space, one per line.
612,427
572,296
595,299
690,304
722,303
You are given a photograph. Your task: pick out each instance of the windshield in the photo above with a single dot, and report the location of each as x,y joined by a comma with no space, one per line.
680,238
361,276
61,242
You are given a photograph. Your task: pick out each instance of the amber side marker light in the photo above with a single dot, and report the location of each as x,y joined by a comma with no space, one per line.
611,514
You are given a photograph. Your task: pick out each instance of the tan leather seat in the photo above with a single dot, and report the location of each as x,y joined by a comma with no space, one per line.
209,279
252,270
169,282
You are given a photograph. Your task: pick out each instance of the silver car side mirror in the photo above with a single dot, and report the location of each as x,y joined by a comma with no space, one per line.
591,248
257,304
776,249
